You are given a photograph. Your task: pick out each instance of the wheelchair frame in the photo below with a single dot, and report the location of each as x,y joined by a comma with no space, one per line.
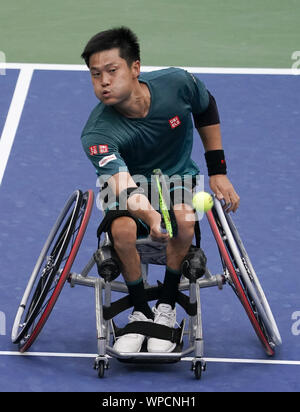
49,279
104,329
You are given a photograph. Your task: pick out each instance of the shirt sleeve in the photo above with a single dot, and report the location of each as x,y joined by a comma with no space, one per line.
197,93
104,155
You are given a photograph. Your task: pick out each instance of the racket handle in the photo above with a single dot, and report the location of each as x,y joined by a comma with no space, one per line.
163,229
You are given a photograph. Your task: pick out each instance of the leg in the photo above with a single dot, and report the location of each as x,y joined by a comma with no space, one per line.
177,249
124,232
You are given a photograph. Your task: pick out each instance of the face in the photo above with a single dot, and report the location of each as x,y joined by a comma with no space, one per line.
112,79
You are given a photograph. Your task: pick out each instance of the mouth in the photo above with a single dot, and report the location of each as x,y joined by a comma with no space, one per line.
106,93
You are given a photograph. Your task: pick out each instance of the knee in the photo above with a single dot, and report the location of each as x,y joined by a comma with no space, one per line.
123,231
185,218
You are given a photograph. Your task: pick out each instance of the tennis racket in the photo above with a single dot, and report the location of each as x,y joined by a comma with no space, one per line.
168,215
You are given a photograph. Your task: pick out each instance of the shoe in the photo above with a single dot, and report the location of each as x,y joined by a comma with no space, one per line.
131,342
164,315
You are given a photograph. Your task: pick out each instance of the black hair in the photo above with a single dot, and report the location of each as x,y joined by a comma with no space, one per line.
120,37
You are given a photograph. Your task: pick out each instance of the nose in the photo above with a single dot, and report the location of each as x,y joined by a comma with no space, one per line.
105,80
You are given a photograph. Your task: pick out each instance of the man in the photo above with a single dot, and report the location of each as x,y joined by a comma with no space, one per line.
142,123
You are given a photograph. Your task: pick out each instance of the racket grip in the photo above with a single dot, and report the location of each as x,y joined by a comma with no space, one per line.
163,229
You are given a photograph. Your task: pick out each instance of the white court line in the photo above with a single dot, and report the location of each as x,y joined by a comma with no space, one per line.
94,355
212,70
13,117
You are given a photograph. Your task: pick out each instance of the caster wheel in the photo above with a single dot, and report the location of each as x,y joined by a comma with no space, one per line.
101,368
198,370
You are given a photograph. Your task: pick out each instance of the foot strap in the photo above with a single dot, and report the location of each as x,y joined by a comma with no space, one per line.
152,330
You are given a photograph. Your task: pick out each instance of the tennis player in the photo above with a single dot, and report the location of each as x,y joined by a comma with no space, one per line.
144,122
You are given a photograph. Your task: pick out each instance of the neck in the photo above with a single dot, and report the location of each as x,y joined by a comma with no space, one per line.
138,103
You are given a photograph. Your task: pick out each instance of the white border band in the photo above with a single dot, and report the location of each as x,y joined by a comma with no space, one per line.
94,355
13,117
209,70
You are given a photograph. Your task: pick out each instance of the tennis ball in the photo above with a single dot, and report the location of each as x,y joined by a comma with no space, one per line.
203,202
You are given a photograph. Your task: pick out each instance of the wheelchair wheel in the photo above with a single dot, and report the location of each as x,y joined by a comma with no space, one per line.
242,277
52,269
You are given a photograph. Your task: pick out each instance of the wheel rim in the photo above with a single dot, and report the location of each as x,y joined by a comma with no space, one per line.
237,286
40,309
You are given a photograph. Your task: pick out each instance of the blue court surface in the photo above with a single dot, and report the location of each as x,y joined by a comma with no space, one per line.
260,116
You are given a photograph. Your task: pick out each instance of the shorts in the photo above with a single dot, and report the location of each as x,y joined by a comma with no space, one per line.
179,193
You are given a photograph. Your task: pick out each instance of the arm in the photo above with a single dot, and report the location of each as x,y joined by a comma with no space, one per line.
207,122
138,204
104,155
219,183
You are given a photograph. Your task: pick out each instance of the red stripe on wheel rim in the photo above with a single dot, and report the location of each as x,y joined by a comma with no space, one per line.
63,276
237,284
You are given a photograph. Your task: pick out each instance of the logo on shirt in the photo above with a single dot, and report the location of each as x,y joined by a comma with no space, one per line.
174,122
106,160
103,148
98,149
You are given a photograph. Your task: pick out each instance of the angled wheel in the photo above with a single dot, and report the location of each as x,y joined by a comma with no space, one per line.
242,277
52,269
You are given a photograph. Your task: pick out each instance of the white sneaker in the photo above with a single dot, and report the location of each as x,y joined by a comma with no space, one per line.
164,315
131,342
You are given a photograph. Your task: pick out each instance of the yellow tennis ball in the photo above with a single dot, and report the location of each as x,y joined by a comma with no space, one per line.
203,202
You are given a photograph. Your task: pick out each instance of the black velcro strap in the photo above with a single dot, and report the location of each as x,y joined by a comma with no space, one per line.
122,304
108,219
125,195
152,330
153,293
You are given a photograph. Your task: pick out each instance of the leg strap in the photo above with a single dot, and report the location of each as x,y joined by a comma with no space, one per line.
152,293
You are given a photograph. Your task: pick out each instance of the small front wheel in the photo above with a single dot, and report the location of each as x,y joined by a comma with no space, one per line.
198,367
198,370
101,367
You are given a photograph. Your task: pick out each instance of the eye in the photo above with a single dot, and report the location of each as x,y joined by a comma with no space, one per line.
95,74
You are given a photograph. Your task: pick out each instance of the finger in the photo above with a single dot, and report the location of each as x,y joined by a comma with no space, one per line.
229,207
234,203
228,202
219,195
159,239
164,236
159,236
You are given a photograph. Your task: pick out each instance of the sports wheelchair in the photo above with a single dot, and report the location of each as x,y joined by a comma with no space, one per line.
53,269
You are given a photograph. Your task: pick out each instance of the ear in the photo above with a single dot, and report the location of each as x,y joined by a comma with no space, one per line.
136,69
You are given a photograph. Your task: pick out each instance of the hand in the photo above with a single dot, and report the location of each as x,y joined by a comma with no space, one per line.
223,189
155,231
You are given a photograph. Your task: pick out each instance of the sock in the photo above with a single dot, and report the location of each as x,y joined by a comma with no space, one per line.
138,297
170,287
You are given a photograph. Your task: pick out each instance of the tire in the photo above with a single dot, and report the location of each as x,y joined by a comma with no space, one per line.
242,277
198,370
52,269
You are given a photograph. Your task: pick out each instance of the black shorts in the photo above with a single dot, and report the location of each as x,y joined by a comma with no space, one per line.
179,193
